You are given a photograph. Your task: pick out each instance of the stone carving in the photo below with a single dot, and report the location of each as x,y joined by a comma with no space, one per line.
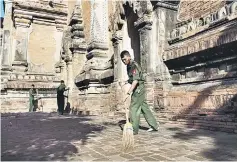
169,5
233,8
40,13
202,42
99,19
222,13
6,51
36,68
173,33
66,43
203,23
191,26
183,29
78,45
208,20
144,49
21,48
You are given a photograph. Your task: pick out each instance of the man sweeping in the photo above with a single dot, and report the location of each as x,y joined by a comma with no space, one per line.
137,91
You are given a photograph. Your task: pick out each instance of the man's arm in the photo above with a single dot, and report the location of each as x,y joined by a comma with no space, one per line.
134,84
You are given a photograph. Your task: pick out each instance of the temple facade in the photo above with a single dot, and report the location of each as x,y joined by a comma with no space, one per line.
187,50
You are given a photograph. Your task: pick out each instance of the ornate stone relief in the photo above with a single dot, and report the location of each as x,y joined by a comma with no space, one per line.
200,43
203,23
31,11
6,49
36,68
99,17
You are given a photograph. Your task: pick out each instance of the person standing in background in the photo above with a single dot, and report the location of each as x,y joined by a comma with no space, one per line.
60,97
32,94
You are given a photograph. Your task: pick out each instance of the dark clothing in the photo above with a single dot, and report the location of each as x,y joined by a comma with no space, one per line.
138,104
60,98
61,103
32,94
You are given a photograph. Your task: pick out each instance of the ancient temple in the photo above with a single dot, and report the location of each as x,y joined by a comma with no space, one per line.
187,50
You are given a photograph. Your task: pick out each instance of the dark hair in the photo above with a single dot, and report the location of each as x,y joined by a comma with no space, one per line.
62,81
124,53
33,85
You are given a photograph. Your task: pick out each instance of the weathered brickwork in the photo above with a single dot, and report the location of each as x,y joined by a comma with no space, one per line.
213,108
197,9
203,94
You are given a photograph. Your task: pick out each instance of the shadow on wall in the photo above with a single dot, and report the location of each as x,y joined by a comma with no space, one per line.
133,33
42,137
229,105
222,147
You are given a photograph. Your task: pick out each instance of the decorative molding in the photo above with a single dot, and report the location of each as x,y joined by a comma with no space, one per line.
167,5
40,6
39,12
116,37
144,22
202,42
189,28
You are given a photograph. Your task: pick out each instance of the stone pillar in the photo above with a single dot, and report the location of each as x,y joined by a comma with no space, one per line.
70,78
159,36
98,46
163,22
6,51
117,39
8,15
78,44
58,37
144,25
7,37
21,44
63,71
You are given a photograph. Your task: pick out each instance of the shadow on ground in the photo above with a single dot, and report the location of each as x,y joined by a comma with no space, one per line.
41,136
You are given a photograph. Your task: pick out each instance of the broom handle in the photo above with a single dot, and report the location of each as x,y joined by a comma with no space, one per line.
127,114
126,110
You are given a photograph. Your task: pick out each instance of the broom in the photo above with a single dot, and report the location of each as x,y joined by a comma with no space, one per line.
128,137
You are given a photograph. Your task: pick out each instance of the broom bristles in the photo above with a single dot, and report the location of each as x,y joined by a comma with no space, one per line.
128,137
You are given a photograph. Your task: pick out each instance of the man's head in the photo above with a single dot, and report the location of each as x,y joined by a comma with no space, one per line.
32,86
125,57
62,82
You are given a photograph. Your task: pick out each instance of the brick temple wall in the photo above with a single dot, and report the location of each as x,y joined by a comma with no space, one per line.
212,108
198,8
21,104
92,104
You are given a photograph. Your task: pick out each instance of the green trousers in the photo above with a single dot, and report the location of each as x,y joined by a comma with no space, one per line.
138,106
